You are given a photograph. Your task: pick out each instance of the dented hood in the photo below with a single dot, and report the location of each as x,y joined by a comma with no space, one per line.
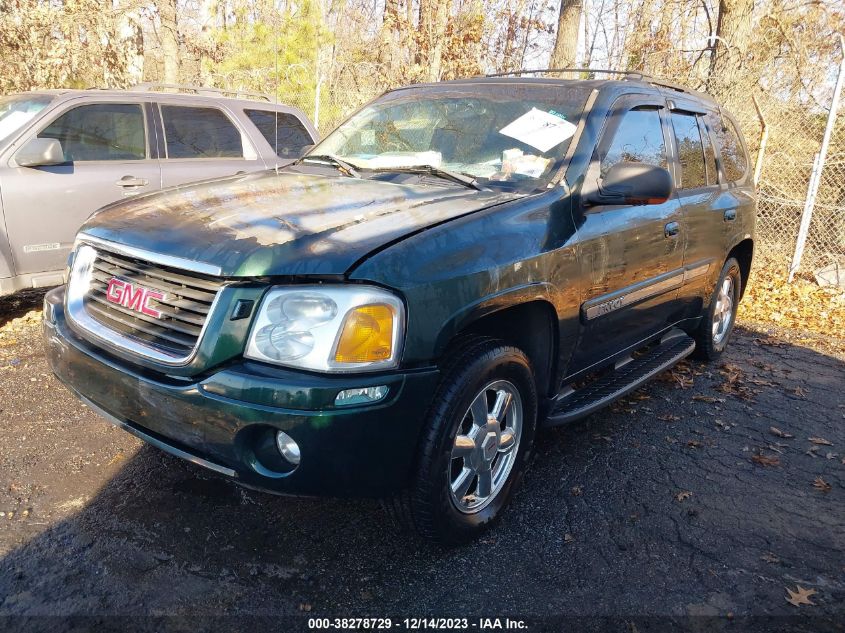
282,224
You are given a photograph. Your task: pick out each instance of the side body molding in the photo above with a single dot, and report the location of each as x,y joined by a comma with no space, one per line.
611,302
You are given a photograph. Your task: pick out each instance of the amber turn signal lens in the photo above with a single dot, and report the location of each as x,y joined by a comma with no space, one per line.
367,335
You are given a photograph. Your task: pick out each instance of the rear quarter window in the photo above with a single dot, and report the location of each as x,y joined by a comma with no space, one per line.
283,131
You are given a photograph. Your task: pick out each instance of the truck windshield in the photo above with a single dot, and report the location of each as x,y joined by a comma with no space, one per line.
510,136
17,110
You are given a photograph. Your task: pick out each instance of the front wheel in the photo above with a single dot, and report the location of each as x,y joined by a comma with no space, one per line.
717,324
476,444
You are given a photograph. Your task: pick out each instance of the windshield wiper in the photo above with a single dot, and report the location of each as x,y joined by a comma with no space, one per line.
431,170
348,168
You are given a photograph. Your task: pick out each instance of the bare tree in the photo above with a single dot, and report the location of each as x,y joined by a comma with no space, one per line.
566,41
731,45
169,35
433,20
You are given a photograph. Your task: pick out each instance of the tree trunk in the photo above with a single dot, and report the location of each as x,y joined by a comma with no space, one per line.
169,40
434,17
566,42
729,51
131,37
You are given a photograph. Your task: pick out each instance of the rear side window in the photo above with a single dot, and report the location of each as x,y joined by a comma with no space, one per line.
192,132
284,132
100,131
733,157
638,139
690,150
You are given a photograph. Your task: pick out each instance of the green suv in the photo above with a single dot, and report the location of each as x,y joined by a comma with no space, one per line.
397,313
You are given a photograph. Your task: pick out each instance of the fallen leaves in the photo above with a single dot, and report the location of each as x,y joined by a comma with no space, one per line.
765,460
822,485
820,441
681,375
770,558
701,398
576,491
800,596
568,538
734,383
683,496
801,305
776,431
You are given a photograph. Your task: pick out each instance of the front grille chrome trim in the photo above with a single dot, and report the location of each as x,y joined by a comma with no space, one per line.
112,339
168,261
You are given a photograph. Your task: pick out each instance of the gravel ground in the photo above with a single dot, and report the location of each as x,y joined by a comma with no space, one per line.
679,502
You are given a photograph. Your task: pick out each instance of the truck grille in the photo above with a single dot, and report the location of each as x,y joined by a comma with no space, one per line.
180,303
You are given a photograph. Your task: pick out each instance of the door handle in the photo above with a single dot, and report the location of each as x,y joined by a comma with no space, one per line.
131,181
730,215
671,229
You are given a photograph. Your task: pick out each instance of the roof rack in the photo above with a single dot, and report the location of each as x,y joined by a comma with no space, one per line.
589,71
636,75
201,90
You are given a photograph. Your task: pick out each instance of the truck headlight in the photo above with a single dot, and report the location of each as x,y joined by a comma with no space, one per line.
328,328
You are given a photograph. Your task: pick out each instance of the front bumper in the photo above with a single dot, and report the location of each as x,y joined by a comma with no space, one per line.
222,420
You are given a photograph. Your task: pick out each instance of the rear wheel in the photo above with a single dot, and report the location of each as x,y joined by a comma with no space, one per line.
476,444
714,331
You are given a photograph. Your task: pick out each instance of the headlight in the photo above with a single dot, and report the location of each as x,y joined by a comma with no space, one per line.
328,328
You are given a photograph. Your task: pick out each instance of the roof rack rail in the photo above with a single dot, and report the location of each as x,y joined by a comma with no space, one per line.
589,71
201,90
625,74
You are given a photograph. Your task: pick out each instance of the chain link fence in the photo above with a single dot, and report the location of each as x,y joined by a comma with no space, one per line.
794,138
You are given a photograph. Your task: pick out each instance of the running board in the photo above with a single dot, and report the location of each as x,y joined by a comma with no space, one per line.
627,374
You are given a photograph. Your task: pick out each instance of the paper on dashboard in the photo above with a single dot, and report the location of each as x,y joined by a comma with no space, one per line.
539,129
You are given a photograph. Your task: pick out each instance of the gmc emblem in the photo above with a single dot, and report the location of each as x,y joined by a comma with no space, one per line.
136,298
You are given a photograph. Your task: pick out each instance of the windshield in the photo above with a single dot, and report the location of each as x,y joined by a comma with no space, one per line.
17,110
503,135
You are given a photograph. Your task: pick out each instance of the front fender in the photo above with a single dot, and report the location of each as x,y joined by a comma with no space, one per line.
490,304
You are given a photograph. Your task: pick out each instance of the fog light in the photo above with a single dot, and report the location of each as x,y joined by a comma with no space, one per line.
360,396
288,448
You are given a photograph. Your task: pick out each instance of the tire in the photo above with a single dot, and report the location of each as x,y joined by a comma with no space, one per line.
713,333
482,372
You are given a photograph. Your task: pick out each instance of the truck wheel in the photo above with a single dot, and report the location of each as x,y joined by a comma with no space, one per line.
475,446
714,331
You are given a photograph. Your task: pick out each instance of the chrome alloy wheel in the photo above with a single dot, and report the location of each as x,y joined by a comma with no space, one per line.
723,314
485,447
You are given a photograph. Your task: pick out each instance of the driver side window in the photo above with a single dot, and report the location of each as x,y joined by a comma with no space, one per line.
638,139
100,131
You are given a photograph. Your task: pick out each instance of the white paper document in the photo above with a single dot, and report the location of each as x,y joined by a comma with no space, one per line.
539,129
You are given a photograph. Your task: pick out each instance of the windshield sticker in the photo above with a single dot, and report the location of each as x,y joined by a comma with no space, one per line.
539,129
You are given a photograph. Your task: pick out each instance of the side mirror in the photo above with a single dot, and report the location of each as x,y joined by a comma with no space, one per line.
39,152
305,149
633,183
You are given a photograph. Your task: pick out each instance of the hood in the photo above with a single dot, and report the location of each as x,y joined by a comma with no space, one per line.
282,224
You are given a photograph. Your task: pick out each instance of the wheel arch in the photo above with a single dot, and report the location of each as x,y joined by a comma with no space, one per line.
744,254
524,317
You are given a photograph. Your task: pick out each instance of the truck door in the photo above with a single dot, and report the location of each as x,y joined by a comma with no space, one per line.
108,157
631,257
203,141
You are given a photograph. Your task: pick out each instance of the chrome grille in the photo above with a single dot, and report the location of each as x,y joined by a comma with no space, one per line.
183,309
